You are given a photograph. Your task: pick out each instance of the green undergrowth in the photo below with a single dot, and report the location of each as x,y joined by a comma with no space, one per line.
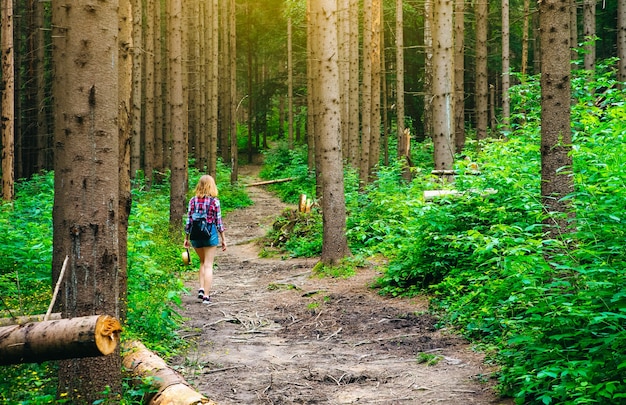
550,312
156,274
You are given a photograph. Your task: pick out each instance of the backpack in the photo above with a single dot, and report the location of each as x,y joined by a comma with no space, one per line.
200,228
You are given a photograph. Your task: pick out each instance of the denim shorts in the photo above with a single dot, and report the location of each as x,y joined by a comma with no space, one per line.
214,240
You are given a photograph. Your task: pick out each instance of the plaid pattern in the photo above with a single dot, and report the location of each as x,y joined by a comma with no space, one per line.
209,206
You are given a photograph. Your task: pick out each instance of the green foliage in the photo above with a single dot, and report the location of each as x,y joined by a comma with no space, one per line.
298,233
428,358
281,162
26,246
155,275
551,312
345,269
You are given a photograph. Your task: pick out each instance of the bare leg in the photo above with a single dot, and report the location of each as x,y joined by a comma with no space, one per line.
202,256
207,268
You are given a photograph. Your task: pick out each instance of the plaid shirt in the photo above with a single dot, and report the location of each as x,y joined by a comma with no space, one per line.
210,206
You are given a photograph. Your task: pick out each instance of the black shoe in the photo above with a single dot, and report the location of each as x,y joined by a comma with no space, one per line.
206,300
200,294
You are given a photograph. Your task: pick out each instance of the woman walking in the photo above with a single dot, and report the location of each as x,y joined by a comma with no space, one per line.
204,230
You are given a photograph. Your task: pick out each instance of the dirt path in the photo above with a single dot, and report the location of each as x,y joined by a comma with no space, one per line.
275,335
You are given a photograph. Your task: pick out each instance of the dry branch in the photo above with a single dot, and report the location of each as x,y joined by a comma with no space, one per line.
172,389
263,183
20,320
35,342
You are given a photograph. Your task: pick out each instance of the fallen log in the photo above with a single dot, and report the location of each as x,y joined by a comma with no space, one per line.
35,342
264,183
172,389
19,320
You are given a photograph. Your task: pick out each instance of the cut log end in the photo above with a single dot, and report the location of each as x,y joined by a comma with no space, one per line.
107,334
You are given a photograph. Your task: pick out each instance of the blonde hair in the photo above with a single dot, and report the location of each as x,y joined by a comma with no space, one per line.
206,187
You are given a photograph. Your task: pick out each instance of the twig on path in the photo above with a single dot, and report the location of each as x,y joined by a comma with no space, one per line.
334,334
219,370
394,400
367,342
219,321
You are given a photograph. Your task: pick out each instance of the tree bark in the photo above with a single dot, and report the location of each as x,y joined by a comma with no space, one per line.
35,342
621,40
125,82
459,75
171,386
149,61
556,136
43,135
86,217
178,183
428,68
376,50
214,88
8,102
506,67
135,136
366,98
343,33
589,33
482,86
525,27
232,65
334,245
443,84
353,86
289,83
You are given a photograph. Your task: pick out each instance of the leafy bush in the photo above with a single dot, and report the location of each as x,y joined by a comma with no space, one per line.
282,162
552,313
155,274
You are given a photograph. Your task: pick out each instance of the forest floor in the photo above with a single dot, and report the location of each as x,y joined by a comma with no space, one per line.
276,334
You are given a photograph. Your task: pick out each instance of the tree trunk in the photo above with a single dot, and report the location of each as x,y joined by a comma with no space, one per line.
43,136
224,82
573,29
289,83
556,136
400,81
232,64
36,342
160,108
482,87
353,86
443,84
125,81
343,33
525,27
214,91
135,136
8,101
149,61
376,49
506,67
311,80
384,100
459,75
589,33
170,385
86,216
334,245
178,183
366,98
621,40
428,68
